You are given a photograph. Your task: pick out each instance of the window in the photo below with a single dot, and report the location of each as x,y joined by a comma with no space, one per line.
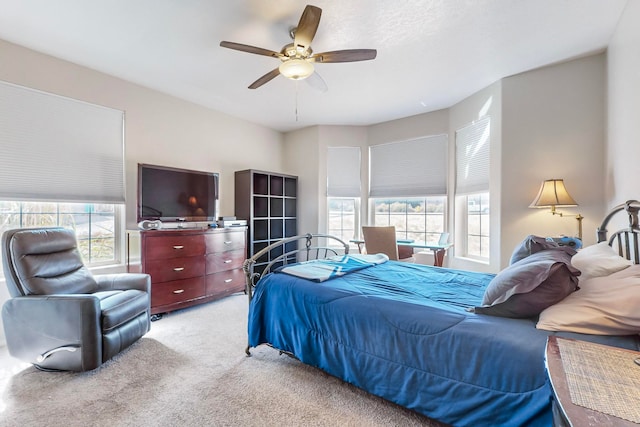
62,164
408,187
343,192
472,189
343,217
94,224
477,226
415,218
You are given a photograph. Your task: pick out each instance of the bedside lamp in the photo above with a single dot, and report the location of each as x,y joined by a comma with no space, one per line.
553,194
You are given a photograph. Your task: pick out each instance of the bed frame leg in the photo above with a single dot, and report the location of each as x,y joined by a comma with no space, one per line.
246,350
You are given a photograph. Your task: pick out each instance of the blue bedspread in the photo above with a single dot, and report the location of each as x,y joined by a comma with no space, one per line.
401,331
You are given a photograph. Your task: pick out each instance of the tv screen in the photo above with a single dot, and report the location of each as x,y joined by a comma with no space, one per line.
172,195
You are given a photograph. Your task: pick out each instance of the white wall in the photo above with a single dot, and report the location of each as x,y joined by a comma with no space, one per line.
160,129
301,159
553,123
545,123
622,173
431,123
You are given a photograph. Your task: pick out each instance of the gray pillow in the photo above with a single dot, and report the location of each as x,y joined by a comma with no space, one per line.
530,245
532,284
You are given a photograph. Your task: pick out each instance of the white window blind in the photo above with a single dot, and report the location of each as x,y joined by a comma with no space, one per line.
57,148
472,157
417,167
343,172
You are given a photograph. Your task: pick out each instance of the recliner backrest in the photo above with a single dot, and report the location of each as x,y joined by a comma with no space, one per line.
44,261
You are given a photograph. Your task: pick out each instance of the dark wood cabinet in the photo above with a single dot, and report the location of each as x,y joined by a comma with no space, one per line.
268,201
189,266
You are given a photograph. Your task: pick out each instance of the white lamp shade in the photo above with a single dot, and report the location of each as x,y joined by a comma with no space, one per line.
296,69
552,193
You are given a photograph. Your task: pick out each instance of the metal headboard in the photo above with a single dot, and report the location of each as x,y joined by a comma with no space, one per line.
310,250
626,239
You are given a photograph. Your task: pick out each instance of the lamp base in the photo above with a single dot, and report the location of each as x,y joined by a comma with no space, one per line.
578,217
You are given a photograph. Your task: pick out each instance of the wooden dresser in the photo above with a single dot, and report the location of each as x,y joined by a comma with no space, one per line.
188,267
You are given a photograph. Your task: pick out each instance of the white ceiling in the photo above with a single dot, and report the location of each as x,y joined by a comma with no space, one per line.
431,53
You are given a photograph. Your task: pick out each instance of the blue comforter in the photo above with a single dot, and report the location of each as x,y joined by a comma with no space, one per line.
401,331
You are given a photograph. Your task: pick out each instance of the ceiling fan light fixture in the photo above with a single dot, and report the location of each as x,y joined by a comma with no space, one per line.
296,69
297,58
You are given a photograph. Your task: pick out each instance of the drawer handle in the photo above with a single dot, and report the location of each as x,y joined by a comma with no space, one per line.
228,280
227,261
178,291
178,269
228,242
178,247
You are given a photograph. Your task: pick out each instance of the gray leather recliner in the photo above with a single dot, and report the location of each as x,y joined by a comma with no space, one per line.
60,316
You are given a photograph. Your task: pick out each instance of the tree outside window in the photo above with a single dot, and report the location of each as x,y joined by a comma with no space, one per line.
343,214
417,218
94,224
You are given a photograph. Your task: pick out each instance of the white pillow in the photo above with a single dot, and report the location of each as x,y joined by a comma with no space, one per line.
602,306
598,260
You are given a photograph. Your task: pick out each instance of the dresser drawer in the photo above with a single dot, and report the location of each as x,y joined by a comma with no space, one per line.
190,266
177,291
225,283
165,247
225,241
225,261
163,270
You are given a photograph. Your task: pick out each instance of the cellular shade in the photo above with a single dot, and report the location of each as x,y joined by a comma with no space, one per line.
59,149
343,172
472,157
410,168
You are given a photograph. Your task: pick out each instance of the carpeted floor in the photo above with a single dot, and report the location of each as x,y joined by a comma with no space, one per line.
191,370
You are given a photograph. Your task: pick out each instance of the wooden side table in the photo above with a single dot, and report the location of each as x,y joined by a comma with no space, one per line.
566,413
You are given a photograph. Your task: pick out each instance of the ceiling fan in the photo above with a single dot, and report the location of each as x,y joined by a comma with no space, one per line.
297,58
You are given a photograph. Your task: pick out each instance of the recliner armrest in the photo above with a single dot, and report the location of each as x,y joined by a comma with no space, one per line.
36,324
124,281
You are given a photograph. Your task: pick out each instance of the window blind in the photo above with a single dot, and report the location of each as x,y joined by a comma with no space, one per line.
417,167
58,148
343,172
472,157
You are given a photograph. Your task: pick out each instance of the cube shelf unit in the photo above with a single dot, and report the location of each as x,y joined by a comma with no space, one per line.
268,201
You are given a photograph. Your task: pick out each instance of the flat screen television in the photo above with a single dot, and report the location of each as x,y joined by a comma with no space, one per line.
176,195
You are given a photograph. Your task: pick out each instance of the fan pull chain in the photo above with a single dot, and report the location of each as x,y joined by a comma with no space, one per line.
296,83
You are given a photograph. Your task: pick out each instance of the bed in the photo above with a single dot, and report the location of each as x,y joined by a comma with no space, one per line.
426,338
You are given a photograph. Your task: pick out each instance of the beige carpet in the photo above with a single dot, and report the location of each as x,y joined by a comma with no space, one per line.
191,370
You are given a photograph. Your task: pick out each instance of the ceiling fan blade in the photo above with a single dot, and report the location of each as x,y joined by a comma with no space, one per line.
316,82
265,79
307,27
348,55
250,49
